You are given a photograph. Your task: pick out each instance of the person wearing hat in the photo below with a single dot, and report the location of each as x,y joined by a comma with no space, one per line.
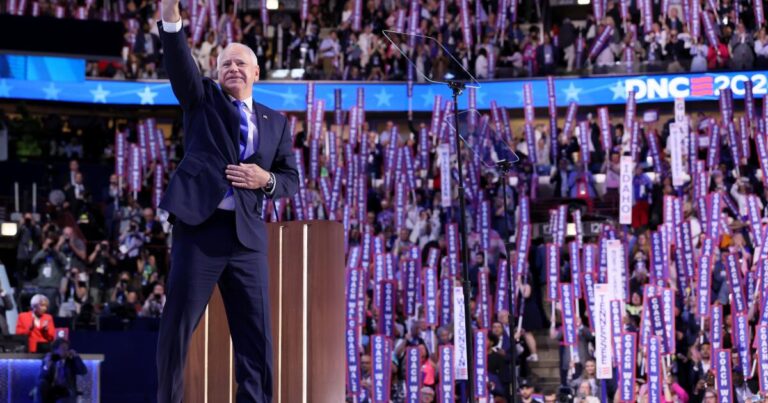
526,392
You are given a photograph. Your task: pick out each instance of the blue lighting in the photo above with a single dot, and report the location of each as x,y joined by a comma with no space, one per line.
392,96
42,68
18,376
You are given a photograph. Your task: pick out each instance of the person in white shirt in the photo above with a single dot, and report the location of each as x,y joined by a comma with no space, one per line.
740,191
329,52
699,53
204,53
761,49
481,65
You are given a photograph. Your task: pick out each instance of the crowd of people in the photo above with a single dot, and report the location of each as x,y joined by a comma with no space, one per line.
514,41
386,184
83,270
392,204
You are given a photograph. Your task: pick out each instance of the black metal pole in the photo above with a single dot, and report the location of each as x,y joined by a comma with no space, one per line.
457,88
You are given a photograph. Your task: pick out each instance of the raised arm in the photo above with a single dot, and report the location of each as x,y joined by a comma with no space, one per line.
185,77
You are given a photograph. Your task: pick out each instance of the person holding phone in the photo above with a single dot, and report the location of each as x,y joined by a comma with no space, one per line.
37,324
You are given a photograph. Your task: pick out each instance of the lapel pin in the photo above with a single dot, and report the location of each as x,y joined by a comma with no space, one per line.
264,117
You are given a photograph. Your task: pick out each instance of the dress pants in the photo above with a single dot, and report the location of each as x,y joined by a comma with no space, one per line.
202,256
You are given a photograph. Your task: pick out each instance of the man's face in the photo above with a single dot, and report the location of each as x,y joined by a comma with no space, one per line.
365,363
74,166
497,329
63,349
589,366
149,215
237,71
705,351
503,317
550,398
526,392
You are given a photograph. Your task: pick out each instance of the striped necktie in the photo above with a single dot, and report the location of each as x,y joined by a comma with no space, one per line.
243,135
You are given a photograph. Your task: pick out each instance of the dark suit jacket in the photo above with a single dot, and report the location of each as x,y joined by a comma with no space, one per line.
211,142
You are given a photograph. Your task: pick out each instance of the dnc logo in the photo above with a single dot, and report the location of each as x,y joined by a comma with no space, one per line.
701,86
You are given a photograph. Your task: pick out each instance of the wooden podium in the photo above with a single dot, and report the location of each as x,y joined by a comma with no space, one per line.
306,290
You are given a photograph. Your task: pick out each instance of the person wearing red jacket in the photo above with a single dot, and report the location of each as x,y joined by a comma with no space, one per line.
37,324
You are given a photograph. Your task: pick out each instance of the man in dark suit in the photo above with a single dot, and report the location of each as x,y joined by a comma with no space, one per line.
237,153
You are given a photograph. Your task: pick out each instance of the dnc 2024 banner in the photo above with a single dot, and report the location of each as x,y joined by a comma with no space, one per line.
392,97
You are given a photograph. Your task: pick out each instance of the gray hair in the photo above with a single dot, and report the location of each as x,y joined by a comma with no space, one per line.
37,299
238,45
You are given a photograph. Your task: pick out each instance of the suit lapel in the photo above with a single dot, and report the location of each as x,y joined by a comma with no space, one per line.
258,116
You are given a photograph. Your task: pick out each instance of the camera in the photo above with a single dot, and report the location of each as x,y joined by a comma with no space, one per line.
565,394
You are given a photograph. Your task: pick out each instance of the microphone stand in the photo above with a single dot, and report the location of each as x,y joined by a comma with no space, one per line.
457,88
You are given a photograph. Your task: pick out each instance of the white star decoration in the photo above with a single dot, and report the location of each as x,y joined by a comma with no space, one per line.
520,96
289,98
147,96
383,97
5,89
428,97
572,93
51,92
619,90
100,94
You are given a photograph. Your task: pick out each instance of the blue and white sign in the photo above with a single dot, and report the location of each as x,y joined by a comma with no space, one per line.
392,97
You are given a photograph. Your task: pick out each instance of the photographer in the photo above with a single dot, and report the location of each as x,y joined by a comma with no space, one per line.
155,302
73,248
28,244
51,266
131,243
104,263
73,293
123,299
58,376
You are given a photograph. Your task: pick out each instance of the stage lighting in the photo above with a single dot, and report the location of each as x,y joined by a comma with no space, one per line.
271,4
9,229
570,229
